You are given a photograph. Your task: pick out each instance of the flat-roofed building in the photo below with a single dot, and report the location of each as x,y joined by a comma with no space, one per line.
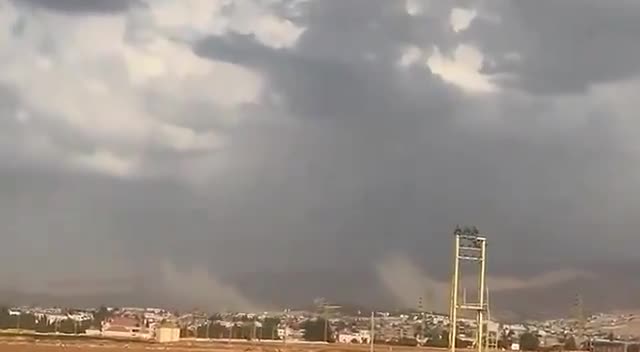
167,332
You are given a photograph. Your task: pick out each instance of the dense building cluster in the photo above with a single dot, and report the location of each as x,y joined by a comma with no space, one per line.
399,328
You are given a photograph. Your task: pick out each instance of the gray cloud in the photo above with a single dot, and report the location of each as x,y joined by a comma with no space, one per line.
82,6
344,158
564,47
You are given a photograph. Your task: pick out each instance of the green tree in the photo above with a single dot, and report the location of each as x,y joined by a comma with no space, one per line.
314,330
100,316
570,344
216,330
216,317
4,318
529,342
438,338
269,329
69,326
201,331
43,326
506,339
25,321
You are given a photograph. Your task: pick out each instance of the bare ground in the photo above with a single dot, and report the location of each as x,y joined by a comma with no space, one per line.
16,344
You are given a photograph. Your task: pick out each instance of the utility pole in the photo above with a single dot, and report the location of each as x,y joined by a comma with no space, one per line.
253,331
469,246
422,318
284,320
326,328
579,316
325,313
372,334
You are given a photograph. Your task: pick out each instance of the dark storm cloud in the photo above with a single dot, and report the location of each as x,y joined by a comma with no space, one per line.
564,46
358,159
373,117
417,171
82,6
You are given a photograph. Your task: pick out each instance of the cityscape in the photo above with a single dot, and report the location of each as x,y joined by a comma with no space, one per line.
408,328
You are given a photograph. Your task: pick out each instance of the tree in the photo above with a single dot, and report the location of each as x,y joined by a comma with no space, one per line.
438,339
100,316
314,330
5,319
216,317
43,326
269,330
505,340
529,342
570,344
68,326
26,321
186,332
216,330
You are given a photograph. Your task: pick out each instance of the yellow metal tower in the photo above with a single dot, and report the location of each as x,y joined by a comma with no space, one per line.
470,246
492,329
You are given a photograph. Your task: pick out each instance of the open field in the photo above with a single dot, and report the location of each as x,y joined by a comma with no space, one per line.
15,344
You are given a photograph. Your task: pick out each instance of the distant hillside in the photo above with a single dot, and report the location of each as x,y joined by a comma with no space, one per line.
599,295
610,290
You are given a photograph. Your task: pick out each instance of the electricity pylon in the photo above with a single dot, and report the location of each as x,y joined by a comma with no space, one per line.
470,246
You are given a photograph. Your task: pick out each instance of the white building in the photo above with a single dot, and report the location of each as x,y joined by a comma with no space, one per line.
362,336
289,334
125,328
167,333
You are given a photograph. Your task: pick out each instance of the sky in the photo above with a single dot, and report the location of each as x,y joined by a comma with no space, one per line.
218,152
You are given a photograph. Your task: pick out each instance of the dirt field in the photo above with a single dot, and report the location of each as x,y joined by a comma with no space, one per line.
52,345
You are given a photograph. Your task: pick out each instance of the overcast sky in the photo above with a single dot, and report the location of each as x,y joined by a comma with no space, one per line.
196,142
